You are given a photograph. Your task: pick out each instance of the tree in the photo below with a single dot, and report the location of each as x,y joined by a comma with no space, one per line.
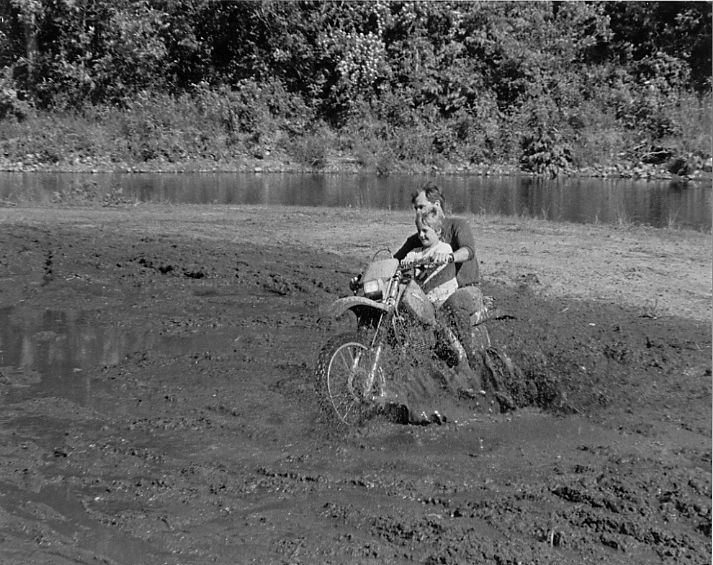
667,31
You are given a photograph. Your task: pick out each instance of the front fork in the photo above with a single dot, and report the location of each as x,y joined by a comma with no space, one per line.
377,347
377,343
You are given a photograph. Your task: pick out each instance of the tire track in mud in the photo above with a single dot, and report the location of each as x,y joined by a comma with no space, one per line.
580,511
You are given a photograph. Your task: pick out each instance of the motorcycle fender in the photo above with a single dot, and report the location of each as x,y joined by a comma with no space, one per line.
340,306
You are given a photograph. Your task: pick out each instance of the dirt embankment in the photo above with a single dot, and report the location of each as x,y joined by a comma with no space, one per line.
158,406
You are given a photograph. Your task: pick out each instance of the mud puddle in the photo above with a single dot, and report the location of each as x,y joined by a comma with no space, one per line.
52,398
53,353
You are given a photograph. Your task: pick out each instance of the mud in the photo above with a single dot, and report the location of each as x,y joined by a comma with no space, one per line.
158,406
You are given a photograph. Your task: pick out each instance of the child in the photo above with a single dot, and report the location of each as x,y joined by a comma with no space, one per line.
438,281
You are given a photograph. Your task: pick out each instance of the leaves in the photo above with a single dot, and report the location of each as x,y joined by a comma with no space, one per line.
478,77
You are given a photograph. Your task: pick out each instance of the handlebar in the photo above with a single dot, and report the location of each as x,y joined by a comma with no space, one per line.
426,262
403,270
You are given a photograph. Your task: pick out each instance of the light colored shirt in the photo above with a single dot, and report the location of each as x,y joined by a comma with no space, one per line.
438,282
457,234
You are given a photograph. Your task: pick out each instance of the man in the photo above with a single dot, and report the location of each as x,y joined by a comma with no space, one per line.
467,300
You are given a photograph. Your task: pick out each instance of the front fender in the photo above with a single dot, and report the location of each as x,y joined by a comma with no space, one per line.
341,305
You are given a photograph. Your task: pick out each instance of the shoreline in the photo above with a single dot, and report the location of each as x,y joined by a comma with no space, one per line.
347,166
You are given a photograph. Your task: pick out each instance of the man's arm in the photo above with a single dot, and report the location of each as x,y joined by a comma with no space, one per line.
467,268
462,241
460,238
462,255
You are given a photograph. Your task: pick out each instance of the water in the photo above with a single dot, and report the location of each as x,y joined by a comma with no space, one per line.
655,203
55,352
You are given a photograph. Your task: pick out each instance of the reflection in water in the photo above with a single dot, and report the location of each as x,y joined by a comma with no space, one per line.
584,200
57,346
54,353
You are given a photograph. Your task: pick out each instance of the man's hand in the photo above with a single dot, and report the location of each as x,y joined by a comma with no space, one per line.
442,258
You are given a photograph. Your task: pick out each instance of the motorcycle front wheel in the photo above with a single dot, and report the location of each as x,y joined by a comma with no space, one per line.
342,379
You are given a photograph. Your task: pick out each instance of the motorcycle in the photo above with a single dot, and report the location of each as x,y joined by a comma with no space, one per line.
351,378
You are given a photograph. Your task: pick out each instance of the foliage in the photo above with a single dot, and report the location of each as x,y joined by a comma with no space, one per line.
549,85
10,105
544,152
643,31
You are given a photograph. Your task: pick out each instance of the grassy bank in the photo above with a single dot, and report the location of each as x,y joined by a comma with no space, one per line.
214,131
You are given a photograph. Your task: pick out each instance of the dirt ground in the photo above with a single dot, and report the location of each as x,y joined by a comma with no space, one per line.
158,406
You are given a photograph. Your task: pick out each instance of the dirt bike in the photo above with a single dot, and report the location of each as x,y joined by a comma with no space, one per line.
350,375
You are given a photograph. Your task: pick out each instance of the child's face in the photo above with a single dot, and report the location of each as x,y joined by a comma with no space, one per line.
427,235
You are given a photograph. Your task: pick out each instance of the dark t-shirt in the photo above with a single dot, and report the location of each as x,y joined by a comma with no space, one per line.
456,233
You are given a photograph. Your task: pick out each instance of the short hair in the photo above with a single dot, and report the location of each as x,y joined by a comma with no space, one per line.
433,194
431,218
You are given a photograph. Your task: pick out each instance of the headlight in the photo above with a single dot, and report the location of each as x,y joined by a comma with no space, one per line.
372,289
355,283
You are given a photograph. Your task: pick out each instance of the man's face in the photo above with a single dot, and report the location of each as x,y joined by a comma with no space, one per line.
422,204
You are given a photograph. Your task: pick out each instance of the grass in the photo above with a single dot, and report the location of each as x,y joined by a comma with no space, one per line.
623,219
651,309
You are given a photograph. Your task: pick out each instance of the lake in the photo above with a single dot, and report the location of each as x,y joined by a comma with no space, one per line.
582,200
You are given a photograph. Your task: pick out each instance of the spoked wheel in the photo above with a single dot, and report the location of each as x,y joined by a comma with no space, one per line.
343,382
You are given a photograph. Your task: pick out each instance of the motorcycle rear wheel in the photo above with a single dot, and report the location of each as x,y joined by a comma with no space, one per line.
342,379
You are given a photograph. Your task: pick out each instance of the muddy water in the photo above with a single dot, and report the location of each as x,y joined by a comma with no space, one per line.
50,353
655,203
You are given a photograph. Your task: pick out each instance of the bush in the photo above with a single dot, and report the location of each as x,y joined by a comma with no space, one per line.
546,153
692,116
10,104
312,149
227,124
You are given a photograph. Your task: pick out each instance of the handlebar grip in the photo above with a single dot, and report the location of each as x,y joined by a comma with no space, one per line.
426,262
